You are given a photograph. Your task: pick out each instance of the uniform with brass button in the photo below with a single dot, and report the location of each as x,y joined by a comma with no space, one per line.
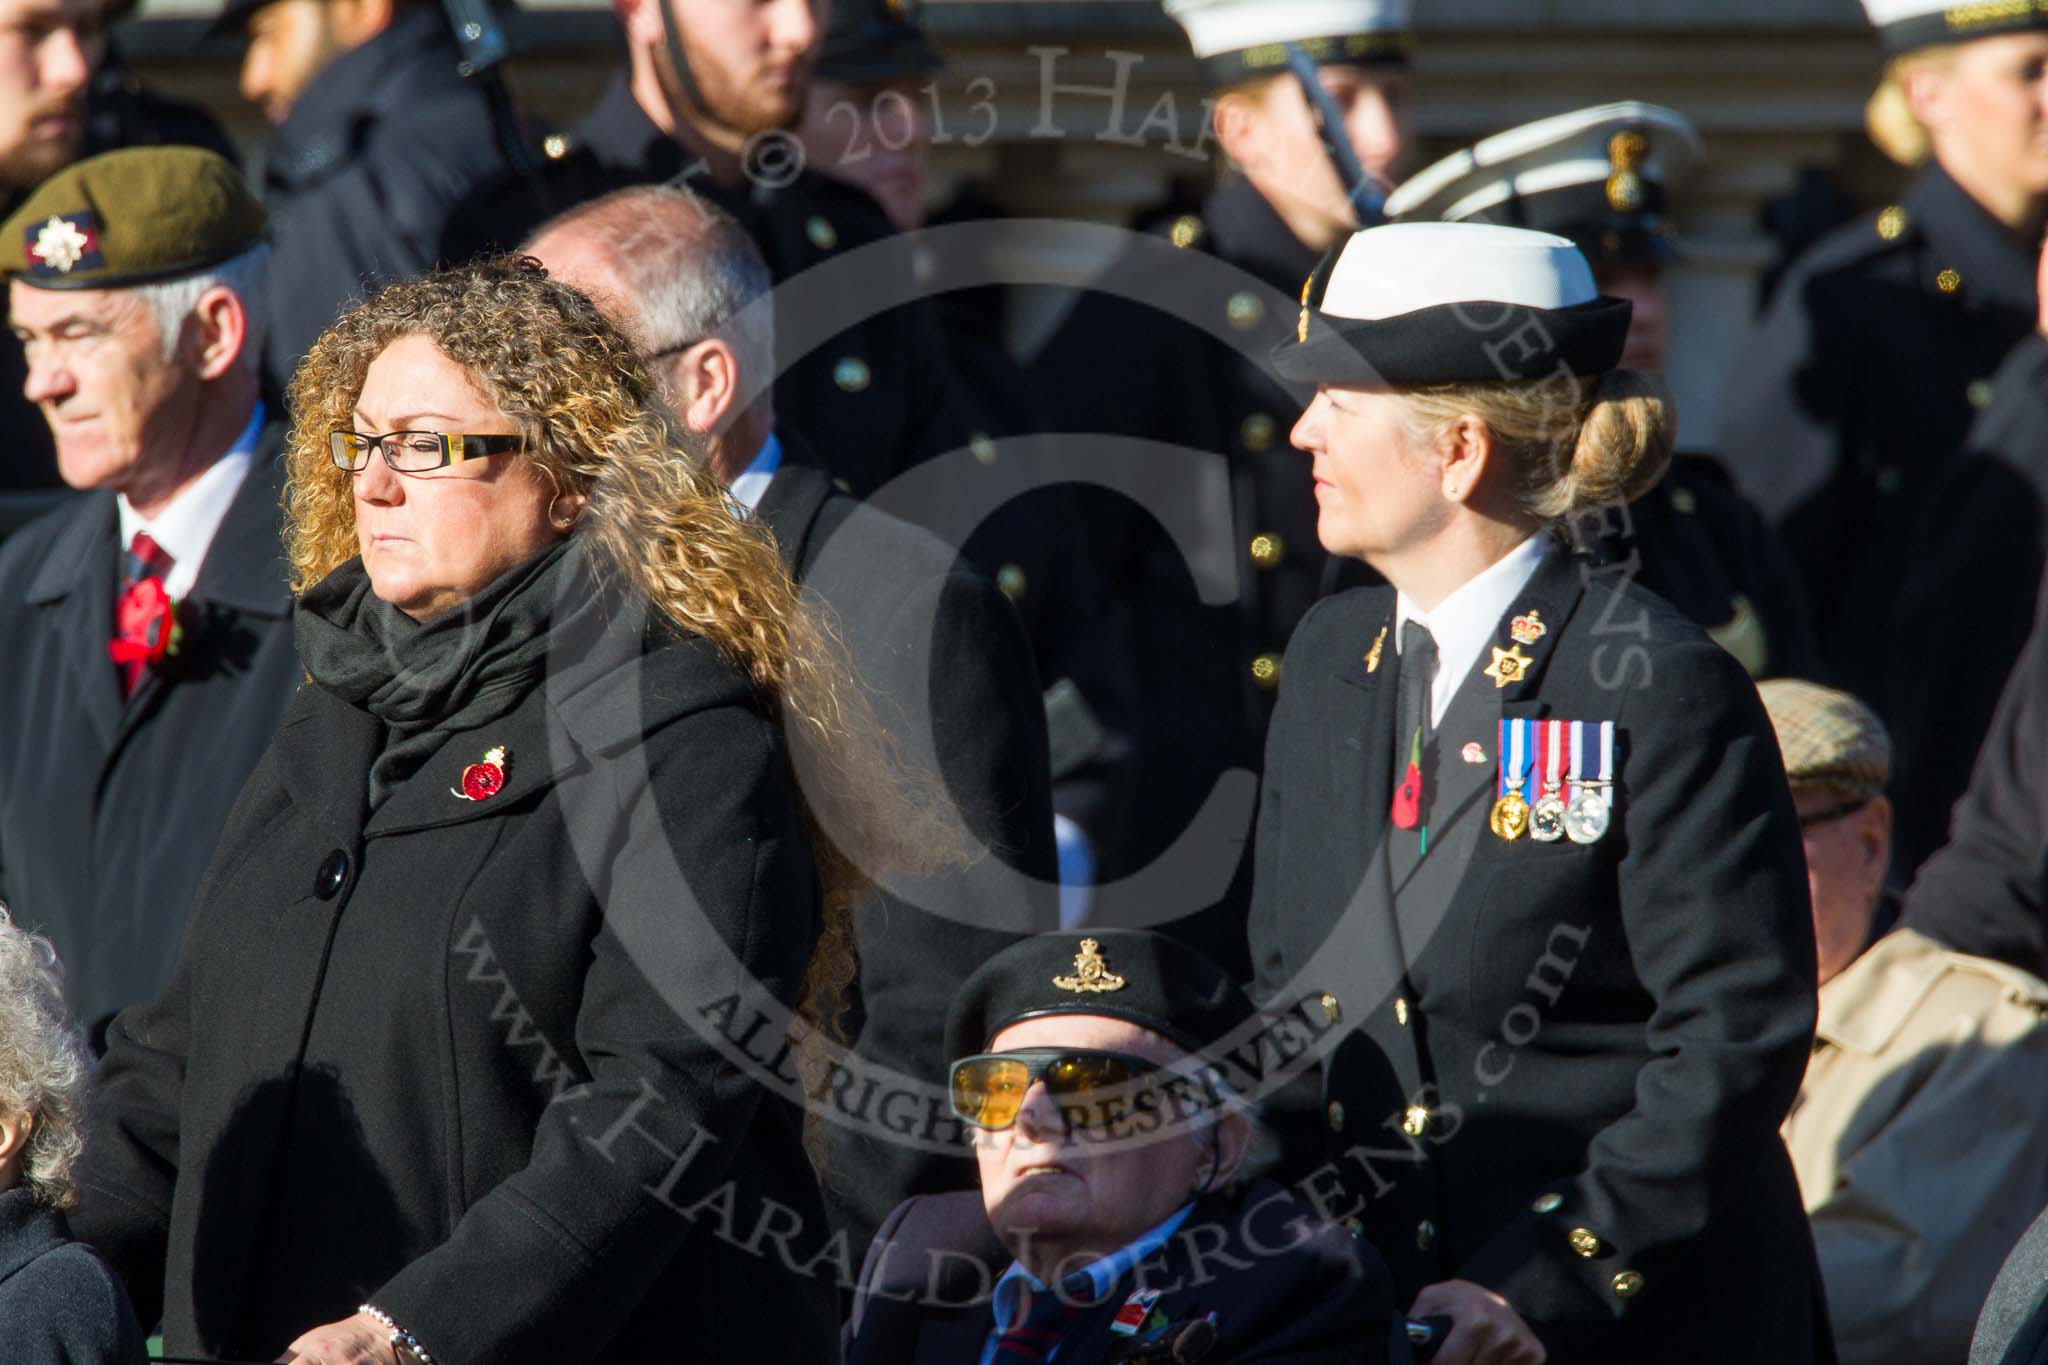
1560,1063
1855,415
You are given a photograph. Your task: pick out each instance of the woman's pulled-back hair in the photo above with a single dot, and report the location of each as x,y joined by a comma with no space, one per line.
655,521
1574,443
1888,115
43,1065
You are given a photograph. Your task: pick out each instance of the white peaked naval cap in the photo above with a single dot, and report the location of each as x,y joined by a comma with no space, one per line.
1414,304
1239,40
1906,25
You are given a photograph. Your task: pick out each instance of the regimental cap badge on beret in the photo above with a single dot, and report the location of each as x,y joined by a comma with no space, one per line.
64,243
133,216
1091,972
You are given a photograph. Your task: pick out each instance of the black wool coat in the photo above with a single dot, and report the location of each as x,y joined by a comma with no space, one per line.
1284,1287
59,1304
1857,415
496,1066
109,810
950,672
1555,1069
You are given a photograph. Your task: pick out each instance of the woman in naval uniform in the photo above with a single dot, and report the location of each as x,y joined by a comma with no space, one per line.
1525,842
1851,413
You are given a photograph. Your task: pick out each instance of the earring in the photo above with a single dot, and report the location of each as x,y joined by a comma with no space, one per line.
553,521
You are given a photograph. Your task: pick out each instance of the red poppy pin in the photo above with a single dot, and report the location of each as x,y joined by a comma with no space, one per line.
482,781
146,628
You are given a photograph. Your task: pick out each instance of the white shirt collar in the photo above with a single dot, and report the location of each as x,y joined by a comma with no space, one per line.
1464,622
752,483
185,528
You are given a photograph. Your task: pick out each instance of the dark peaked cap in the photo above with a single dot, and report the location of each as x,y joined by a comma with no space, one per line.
131,217
1144,978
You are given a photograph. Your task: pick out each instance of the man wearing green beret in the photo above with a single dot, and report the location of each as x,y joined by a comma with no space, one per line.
149,621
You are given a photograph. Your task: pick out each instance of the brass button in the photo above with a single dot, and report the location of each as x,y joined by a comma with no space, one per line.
1948,281
1415,1121
1425,1235
1584,1242
852,374
1626,1284
1258,432
1268,550
1245,311
1336,1116
1979,393
1684,502
1186,231
1547,1203
1332,1009
982,447
821,232
1891,224
554,146
1266,670
1010,579
1401,1011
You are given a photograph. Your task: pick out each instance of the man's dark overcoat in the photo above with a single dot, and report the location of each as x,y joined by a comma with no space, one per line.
1283,1286
109,810
1555,1069
495,1066
950,670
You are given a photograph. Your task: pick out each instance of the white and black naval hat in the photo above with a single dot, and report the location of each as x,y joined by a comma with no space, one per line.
1414,304
1600,176
1906,25
1241,40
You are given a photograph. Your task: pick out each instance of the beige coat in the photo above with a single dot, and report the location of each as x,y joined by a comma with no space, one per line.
1920,1138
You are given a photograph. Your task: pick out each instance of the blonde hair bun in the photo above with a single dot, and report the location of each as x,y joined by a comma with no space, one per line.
1624,443
1889,118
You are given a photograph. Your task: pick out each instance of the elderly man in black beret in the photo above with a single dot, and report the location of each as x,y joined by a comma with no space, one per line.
148,623
1109,1225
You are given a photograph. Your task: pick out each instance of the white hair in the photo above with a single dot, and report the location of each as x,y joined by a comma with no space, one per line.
44,1066
247,276
686,269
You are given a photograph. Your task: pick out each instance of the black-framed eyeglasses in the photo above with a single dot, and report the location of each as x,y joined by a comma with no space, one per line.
988,1089
1817,818
415,452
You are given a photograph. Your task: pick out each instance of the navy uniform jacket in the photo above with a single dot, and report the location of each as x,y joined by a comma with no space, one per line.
1558,1069
1847,411
1204,668
860,372
109,810
362,176
1284,1287
949,668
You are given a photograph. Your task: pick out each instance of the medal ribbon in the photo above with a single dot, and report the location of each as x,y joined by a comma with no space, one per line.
1607,754
1578,762
1553,766
1515,755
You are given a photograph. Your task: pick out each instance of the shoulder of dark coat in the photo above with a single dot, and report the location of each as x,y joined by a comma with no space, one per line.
956,1224
27,551
1857,247
1342,619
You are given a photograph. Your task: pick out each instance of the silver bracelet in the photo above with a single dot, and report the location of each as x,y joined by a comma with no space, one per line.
401,1340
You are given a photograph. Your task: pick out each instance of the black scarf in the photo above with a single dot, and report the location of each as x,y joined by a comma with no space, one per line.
426,680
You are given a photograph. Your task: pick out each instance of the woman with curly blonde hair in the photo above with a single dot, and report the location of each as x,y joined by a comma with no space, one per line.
474,1051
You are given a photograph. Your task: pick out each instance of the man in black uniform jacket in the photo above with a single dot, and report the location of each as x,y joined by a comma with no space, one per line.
708,92
1108,1142
115,777
1849,409
377,140
939,646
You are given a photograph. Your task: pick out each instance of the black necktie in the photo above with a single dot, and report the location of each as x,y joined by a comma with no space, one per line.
1412,710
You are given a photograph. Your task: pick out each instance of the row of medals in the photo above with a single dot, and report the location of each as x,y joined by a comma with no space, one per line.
1583,821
